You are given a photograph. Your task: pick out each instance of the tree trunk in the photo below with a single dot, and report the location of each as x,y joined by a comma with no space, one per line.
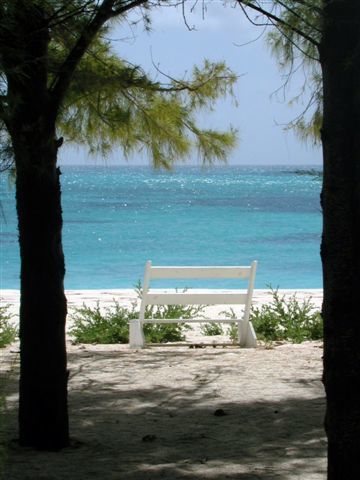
340,249
43,418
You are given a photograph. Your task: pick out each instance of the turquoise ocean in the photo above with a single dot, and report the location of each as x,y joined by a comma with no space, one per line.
116,218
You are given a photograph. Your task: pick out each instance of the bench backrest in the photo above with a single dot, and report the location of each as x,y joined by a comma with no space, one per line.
213,297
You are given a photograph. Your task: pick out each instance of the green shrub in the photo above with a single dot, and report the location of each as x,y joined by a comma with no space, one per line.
169,332
211,329
287,319
91,325
283,319
8,332
164,333
233,332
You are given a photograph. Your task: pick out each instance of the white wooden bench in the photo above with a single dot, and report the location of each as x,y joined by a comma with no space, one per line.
246,333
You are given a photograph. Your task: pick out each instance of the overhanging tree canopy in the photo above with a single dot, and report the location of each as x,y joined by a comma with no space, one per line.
60,80
111,104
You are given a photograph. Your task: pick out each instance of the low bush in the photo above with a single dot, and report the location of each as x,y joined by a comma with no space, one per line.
287,319
211,329
8,332
111,325
283,319
164,333
168,332
233,332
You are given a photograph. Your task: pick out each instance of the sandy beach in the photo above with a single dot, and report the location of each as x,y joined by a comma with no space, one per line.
106,297
175,412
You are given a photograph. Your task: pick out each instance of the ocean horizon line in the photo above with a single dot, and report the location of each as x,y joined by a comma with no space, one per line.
200,166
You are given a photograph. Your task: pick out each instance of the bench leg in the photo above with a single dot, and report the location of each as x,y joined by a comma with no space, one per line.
247,335
136,334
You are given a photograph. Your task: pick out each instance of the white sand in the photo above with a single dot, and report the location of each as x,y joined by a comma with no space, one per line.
126,297
105,298
149,414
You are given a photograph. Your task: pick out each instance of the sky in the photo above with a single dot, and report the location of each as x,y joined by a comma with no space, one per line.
221,33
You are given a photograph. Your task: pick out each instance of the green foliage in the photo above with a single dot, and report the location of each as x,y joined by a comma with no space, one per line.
91,325
211,329
168,332
164,333
111,104
284,318
8,332
233,332
294,52
287,319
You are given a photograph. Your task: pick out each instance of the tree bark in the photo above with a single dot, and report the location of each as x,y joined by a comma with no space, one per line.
340,249
43,417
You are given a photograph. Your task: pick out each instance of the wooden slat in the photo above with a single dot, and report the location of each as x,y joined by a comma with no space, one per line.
199,272
192,320
195,298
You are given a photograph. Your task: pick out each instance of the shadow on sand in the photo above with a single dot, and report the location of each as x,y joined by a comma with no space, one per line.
170,415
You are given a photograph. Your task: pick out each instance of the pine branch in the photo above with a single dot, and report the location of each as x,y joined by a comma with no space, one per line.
310,5
294,44
275,18
181,85
104,12
128,6
297,15
256,24
61,15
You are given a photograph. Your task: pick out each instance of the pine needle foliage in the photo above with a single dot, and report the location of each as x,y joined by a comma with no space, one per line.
293,32
293,53
114,106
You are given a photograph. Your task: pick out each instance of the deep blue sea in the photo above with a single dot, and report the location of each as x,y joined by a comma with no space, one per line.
116,218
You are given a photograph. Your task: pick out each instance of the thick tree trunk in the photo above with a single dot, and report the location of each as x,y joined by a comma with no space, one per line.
340,250
43,418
